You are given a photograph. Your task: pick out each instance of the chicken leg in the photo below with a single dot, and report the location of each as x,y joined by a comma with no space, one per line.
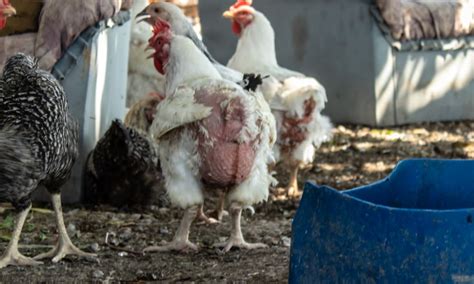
180,240
12,256
293,190
219,212
236,238
200,215
64,246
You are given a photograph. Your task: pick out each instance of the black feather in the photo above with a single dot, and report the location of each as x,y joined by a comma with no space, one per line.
123,169
250,81
38,137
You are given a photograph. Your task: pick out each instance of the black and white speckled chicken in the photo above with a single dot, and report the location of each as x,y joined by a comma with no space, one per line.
38,146
123,169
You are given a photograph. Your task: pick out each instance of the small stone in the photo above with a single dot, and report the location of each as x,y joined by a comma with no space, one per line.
126,234
136,216
286,241
163,210
146,222
270,240
114,241
122,254
154,208
98,274
94,247
72,231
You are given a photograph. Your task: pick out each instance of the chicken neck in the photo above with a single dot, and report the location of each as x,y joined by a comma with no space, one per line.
256,47
186,63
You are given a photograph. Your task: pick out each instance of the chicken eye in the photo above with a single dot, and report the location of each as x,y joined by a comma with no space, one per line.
157,10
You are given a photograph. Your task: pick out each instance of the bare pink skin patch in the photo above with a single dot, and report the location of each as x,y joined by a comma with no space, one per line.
225,162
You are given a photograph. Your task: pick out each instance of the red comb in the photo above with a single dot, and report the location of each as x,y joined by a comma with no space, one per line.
241,3
159,28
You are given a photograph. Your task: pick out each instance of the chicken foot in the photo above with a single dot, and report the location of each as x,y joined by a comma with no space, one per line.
236,238
216,215
12,256
64,246
180,240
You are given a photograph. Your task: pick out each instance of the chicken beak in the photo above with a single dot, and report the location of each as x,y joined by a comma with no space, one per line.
142,16
228,15
8,11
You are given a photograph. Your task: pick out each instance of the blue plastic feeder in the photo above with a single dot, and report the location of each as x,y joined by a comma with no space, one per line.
416,225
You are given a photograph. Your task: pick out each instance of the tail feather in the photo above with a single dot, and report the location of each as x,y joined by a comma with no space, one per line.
19,171
296,91
322,130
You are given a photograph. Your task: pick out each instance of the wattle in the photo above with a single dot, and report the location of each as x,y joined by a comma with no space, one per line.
158,65
236,28
3,22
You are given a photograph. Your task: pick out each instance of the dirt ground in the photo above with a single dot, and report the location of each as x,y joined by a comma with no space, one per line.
356,156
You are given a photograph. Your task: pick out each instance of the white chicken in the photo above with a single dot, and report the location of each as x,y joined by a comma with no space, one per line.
180,25
142,77
211,134
296,100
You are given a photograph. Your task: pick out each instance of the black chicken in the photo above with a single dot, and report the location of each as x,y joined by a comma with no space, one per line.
38,146
123,169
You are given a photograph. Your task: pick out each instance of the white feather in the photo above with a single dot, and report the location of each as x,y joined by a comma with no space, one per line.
176,110
286,91
142,75
179,162
187,61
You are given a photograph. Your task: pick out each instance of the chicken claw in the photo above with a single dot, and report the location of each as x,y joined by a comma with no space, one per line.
236,238
238,243
16,258
62,249
182,246
180,240
64,246
201,216
12,256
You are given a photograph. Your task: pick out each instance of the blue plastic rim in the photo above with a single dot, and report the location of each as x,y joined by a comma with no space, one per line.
416,225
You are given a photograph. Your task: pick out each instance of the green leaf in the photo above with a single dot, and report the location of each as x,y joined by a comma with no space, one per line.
29,227
7,223
42,236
